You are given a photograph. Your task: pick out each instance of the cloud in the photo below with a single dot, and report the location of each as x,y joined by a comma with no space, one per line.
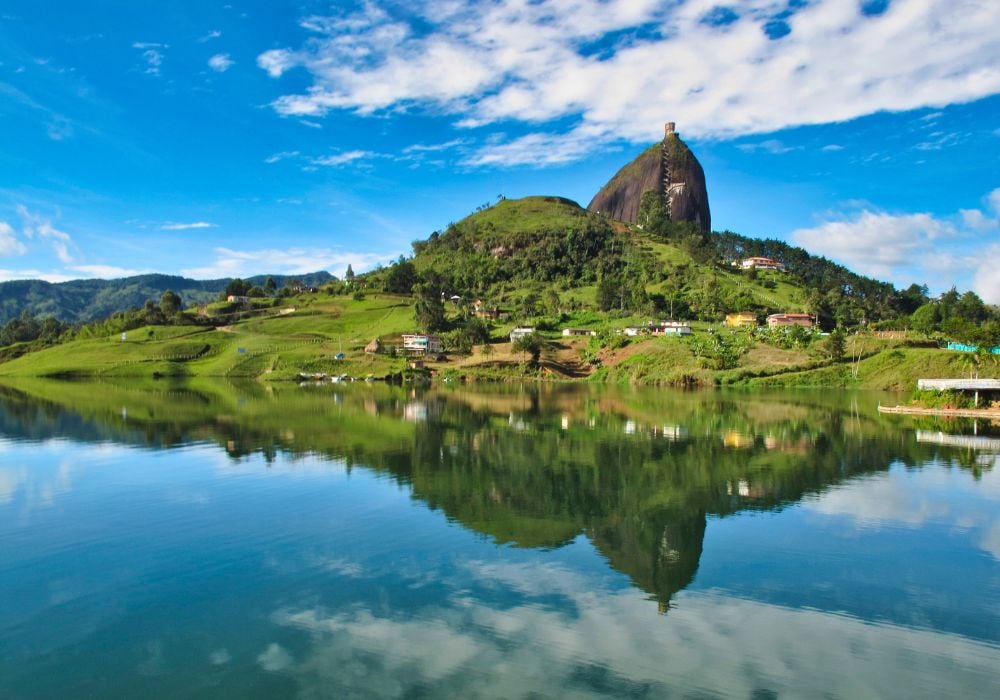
283,155
214,34
338,159
906,248
172,226
54,277
220,62
977,220
831,147
617,70
9,245
772,146
104,271
151,54
290,261
35,225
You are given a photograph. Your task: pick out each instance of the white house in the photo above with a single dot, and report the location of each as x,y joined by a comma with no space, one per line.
422,344
521,332
762,264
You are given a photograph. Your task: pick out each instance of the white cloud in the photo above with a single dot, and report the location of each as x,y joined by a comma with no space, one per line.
220,62
831,147
214,34
993,200
977,220
906,248
54,277
985,279
104,271
772,146
37,225
339,159
151,54
290,261
172,226
9,245
283,155
875,243
487,62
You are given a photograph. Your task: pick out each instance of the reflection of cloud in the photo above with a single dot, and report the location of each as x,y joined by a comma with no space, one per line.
991,541
614,639
914,499
274,658
219,657
38,486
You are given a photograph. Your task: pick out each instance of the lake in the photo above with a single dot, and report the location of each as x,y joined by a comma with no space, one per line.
249,541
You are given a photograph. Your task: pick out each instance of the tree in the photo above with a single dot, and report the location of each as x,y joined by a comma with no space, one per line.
400,278
270,286
349,275
171,304
835,345
428,311
528,344
552,302
487,350
237,288
926,319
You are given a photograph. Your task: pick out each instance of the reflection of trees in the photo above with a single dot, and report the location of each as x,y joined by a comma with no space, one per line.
531,468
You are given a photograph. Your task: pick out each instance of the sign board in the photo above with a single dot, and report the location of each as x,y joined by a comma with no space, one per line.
123,336
241,350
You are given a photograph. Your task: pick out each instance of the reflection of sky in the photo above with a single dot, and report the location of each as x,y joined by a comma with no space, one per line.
614,643
166,565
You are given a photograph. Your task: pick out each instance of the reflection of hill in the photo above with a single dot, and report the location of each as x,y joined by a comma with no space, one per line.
636,472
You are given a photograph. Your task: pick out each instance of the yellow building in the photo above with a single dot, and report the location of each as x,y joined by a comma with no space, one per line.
743,318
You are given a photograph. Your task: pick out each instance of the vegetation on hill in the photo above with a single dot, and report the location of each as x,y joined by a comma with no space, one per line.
542,262
83,301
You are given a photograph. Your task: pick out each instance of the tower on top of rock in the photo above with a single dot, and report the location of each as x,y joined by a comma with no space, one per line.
668,168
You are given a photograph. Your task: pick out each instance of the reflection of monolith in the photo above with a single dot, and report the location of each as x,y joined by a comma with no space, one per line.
659,552
668,168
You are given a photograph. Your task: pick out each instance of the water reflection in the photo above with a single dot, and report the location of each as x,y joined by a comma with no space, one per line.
739,515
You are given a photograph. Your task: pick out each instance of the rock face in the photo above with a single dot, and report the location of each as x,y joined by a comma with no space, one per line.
667,168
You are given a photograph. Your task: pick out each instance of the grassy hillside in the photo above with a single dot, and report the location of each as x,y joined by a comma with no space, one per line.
89,300
547,263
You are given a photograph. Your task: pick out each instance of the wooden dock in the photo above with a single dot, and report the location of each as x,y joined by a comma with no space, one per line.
985,413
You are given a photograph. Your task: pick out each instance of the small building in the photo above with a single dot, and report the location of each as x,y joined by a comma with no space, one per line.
804,320
670,328
741,318
762,264
573,332
521,332
238,299
633,331
419,344
373,347
484,311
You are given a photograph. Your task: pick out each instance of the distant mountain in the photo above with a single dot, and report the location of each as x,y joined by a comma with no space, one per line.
81,301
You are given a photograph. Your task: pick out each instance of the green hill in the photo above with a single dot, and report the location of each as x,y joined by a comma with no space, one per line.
80,301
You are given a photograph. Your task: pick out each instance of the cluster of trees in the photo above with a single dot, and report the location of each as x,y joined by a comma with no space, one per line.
962,317
27,328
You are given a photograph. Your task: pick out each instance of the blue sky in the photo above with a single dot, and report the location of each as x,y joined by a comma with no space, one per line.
250,136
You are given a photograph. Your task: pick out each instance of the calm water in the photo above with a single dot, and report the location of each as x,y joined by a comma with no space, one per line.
365,541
